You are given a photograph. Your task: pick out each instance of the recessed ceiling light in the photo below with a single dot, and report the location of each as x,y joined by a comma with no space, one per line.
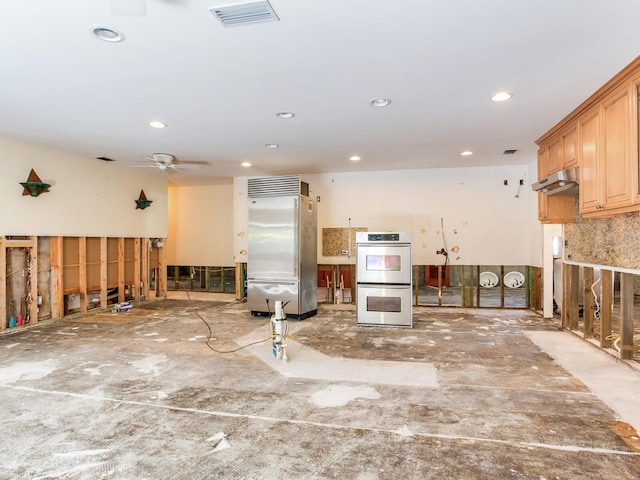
285,114
245,164
501,96
107,34
354,158
380,102
271,145
157,124
466,153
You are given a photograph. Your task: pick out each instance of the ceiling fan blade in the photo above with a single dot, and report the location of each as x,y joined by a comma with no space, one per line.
181,166
128,8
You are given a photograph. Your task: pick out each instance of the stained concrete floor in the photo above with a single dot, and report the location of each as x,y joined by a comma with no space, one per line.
139,395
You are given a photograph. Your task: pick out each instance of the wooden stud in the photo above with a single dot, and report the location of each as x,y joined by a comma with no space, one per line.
82,272
57,277
19,243
104,261
240,290
626,316
3,284
533,287
33,292
502,286
144,267
416,287
606,306
478,286
162,271
572,294
137,291
120,269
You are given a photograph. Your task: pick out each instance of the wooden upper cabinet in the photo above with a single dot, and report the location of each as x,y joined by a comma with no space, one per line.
606,181
634,141
588,157
555,159
618,190
569,138
601,138
553,209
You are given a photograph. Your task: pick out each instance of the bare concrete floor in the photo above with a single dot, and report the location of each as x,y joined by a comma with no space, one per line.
464,394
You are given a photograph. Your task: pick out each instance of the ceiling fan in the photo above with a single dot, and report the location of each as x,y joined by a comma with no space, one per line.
165,162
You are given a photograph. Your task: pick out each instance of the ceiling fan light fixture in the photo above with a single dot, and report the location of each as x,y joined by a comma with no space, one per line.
107,34
164,158
380,102
501,96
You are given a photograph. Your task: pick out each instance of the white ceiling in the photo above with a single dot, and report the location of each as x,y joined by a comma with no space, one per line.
218,89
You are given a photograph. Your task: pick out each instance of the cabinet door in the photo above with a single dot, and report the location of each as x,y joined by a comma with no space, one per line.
543,171
543,207
617,191
569,158
634,141
555,161
588,157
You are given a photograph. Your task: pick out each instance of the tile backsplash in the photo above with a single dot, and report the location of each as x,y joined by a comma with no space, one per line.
613,242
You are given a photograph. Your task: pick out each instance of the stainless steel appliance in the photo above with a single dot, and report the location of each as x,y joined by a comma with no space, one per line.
383,277
563,182
282,247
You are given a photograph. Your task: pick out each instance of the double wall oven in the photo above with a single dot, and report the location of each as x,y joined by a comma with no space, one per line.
383,276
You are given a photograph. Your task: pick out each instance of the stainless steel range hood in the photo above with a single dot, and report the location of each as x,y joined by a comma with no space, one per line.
564,182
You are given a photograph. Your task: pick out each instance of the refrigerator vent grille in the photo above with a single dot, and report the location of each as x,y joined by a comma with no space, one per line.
274,186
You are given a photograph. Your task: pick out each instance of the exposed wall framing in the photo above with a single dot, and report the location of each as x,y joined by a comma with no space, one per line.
602,310
62,275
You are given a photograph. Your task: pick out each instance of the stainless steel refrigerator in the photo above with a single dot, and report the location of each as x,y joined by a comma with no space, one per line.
282,247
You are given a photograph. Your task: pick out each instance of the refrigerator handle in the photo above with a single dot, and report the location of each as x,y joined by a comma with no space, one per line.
296,233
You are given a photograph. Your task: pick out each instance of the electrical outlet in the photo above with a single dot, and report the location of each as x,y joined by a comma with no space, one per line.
345,252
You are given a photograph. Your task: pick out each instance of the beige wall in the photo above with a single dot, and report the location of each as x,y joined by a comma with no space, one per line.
200,226
481,216
207,225
87,197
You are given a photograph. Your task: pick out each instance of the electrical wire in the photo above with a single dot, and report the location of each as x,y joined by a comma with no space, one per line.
616,338
444,241
596,312
211,332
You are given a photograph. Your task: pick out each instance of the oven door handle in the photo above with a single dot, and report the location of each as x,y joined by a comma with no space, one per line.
270,282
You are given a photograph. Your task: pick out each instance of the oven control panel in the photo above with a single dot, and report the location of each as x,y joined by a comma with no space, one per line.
383,237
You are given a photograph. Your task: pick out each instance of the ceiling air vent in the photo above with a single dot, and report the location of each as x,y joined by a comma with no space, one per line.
245,13
510,151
